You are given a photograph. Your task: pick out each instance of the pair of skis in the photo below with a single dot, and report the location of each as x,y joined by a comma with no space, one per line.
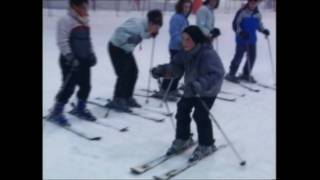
144,167
76,131
252,89
101,123
230,99
133,113
85,135
143,108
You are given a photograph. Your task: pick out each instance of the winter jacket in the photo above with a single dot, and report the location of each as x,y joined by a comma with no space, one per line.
203,65
73,36
178,22
130,28
249,21
205,19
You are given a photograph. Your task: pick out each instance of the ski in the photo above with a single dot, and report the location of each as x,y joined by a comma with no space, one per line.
232,99
143,108
261,85
139,169
144,95
243,85
131,113
265,86
76,131
154,91
174,172
103,123
232,93
125,129
248,87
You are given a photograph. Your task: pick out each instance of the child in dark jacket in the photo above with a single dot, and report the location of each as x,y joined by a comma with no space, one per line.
76,59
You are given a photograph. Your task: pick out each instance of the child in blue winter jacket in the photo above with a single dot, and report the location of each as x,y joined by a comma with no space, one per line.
178,22
245,24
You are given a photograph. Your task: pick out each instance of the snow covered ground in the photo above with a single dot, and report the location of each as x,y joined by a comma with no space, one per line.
249,122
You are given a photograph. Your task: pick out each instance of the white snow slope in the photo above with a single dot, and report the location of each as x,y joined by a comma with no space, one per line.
249,122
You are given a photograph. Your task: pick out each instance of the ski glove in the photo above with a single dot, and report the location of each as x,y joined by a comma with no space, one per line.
195,87
71,60
157,72
161,71
92,60
266,32
135,39
215,32
244,35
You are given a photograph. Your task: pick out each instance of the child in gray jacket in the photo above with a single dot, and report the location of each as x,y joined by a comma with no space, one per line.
121,47
203,77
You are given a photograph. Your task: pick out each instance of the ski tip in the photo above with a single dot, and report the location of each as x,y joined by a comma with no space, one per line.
124,129
96,138
158,178
169,114
135,171
243,163
160,120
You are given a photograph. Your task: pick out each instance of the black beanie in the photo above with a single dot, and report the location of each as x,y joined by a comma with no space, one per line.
155,17
196,34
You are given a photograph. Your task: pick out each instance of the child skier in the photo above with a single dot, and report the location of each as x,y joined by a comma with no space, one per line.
178,22
245,24
121,47
76,59
206,21
203,75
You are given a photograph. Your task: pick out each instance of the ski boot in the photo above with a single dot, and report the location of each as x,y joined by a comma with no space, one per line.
247,78
201,152
119,104
131,102
56,115
160,94
232,78
81,112
179,145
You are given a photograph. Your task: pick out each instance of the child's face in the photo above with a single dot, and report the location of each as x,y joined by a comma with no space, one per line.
213,3
154,28
82,9
187,42
253,4
186,8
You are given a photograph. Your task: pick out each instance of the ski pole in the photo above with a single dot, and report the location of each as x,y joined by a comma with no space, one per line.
271,60
171,114
217,45
242,162
151,64
67,79
164,100
165,96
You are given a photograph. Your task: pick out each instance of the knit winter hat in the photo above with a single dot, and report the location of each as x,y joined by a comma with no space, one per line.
155,17
196,34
